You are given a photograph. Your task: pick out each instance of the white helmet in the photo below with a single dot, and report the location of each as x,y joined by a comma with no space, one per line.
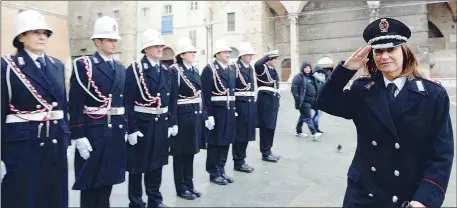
219,46
29,20
246,49
106,27
151,38
184,45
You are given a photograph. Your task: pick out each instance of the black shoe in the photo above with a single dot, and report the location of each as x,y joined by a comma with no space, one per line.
275,156
244,168
158,205
195,192
187,195
142,205
320,131
230,180
219,180
270,158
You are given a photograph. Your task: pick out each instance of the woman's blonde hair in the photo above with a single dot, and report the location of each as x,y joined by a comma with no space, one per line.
410,65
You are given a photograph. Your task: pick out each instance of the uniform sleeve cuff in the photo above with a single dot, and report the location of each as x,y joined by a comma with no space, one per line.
430,194
77,131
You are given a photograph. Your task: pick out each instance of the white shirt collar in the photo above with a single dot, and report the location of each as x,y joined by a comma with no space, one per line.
153,63
34,57
104,57
224,66
188,66
399,82
245,64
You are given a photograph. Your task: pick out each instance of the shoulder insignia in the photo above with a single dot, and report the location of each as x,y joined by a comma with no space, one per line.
370,85
51,59
20,61
435,82
420,85
145,66
363,77
96,61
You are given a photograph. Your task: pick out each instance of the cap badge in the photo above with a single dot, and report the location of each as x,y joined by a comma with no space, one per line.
114,28
384,25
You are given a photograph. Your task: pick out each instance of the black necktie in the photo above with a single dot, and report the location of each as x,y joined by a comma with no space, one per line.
42,64
391,87
110,63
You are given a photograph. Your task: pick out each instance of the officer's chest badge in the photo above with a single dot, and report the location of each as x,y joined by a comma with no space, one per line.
145,66
384,25
369,85
20,61
420,86
96,61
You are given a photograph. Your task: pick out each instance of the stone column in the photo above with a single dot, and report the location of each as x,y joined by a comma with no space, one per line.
294,67
374,9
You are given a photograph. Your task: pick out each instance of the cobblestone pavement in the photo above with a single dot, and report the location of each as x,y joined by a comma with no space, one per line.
308,174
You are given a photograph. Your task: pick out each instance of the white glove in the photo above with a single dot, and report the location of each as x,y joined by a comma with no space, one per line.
175,130
133,137
170,130
84,147
210,123
3,170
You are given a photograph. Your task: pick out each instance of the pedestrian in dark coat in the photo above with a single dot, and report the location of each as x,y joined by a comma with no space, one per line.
97,118
405,143
246,107
190,118
218,81
150,110
34,123
267,103
305,88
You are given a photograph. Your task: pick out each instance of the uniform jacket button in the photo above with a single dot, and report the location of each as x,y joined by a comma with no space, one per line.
42,144
38,106
374,143
121,126
394,199
168,94
370,195
396,173
110,125
121,95
195,112
56,122
200,112
397,146
373,169
166,118
54,141
156,119
54,104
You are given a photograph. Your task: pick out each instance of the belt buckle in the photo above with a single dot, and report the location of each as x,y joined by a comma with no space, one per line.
159,110
113,111
53,115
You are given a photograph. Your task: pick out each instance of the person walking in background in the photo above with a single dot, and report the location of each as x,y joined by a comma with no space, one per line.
320,75
305,90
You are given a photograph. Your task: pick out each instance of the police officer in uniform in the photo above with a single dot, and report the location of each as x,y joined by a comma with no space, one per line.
35,134
148,103
190,118
404,133
267,103
218,81
245,106
97,117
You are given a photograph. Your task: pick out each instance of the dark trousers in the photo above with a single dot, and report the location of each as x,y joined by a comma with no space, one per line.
305,117
239,153
183,172
266,140
152,182
215,159
96,197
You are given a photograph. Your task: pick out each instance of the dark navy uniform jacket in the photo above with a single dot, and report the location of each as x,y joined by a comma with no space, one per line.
152,150
36,163
190,118
224,131
246,106
267,101
107,162
402,154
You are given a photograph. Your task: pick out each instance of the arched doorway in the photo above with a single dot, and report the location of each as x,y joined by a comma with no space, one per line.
234,55
433,31
285,70
168,56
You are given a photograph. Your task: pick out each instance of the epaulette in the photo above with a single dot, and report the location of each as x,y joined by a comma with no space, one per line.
164,67
363,77
435,82
54,60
